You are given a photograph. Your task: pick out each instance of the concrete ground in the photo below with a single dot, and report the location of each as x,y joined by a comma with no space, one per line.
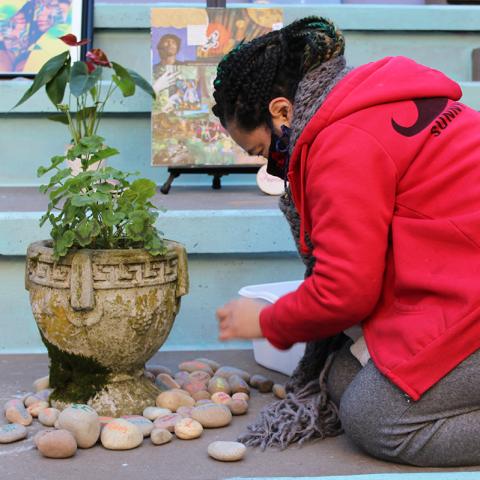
180,459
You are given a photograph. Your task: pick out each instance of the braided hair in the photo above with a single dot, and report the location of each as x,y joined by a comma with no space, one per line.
271,66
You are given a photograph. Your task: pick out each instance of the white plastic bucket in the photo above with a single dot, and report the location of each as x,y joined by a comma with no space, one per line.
264,352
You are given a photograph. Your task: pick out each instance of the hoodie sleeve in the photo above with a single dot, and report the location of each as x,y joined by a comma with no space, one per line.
349,188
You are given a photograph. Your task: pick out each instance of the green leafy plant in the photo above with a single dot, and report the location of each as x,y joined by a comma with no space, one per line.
100,207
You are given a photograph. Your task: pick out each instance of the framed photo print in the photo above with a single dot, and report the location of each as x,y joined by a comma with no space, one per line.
29,31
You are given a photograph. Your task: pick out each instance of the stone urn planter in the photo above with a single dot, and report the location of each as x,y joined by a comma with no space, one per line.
102,314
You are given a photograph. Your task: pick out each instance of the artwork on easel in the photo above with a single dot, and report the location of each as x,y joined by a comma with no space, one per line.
187,44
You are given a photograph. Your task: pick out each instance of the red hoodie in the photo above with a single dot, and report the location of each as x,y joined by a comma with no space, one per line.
386,178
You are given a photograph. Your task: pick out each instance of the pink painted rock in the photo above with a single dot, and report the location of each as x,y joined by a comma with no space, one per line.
219,384
185,411
241,396
212,415
167,421
174,400
263,384
48,416
159,436
120,434
227,372
194,386
221,397
211,363
104,420
238,384
15,412
193,365
237,406
199,376
35,409
56,444
188,429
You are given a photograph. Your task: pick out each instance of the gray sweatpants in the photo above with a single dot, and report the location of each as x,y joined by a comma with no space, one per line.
442,429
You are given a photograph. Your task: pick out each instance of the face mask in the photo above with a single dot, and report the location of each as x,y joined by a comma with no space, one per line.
278,155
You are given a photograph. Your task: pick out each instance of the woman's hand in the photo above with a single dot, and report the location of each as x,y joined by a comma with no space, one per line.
240,319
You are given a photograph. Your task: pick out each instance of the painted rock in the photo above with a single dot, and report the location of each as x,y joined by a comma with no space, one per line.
163,387
188,429
279,391
203,401
48,416
201,395
152,413
227,372
149,375
212,415
144,424
167,380
44,394
56,444
240,396
237,406
173,400
181,377
199,376
83,422
35,409
263,384
221,397
211,363
15,412
185,411
219,384
104,420
227,451
157,369
41,384
30,400
12,432
194,386
159,436
167,422
120,434
238,384
193,365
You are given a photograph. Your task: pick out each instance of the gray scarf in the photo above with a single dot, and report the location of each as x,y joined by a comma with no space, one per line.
307,412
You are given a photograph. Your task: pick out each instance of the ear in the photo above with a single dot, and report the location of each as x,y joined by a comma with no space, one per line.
281,110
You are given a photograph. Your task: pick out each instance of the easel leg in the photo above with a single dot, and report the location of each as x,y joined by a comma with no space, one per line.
166,186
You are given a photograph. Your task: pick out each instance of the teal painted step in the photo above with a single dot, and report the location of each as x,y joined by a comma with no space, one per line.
214,279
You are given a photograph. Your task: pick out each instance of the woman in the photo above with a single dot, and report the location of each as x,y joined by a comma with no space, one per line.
383,165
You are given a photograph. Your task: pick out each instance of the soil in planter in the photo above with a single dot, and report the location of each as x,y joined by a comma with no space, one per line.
74,378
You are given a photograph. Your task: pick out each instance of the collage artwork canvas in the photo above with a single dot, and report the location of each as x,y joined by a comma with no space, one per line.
187,45
29,31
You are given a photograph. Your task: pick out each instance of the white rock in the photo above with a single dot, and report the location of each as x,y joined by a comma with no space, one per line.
227,451
41,383
152,413
120,434
56,444
48,416
159,436
12,432
83,422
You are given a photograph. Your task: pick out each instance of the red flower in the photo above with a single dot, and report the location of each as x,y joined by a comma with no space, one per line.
71,40
90,66
98,57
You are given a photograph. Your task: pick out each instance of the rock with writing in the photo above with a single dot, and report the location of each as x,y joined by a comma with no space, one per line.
221,397
48,416
12,432
173,400
83,422
144,424
238,384
15,412
219,384
152,413
120,434
104,420
211,363
261,383
41,383
167,422
227,451
199,376
212,415
159,436
193,386
188,429
227,372
56,444
193,365
241,396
